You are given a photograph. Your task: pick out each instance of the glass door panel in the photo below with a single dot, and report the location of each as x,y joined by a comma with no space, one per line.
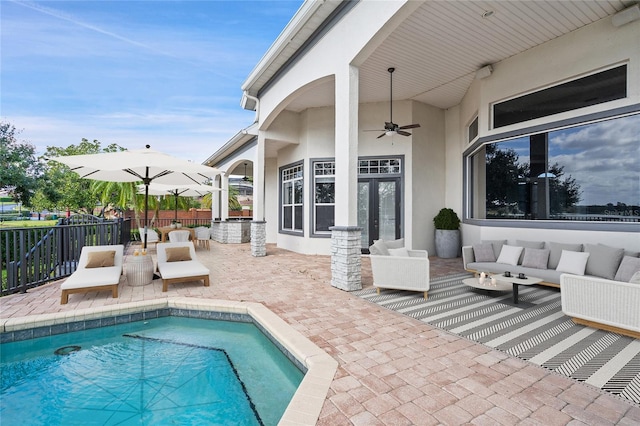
363,211
387,210
379,210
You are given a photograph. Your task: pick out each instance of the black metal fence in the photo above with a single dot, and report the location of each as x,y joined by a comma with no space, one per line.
34,256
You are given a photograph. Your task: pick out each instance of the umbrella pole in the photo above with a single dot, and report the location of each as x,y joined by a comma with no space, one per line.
176,212
146,206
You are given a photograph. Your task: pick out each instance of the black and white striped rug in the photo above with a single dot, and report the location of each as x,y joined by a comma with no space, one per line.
535,330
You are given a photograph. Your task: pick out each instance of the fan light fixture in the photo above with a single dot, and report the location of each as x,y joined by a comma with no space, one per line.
245,178
391,128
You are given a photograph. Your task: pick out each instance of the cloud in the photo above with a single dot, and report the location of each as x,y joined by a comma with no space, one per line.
193,137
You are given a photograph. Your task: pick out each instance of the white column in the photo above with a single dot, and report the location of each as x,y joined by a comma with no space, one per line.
215,198
345,235
224,199
258,179
258,226
346,147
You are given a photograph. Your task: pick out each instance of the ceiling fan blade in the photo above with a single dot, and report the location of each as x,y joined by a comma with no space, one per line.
374,130
409,126
403,133
381,136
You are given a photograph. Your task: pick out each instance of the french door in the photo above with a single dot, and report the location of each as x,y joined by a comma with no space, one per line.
379,209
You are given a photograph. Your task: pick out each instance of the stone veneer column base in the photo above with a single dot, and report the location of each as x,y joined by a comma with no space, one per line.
258,238
346,261
230,232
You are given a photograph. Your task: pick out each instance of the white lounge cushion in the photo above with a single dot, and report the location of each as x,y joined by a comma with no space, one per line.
94,277
179,269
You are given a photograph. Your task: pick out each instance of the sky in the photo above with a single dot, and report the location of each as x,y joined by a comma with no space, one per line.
163,73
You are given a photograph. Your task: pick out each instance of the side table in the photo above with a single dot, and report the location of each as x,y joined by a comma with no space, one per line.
139,270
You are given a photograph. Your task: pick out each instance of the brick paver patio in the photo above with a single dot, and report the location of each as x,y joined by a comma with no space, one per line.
393,370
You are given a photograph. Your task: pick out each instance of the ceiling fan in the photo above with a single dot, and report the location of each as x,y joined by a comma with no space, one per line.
389,126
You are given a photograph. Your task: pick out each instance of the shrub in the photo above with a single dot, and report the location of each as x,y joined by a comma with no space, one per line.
446,219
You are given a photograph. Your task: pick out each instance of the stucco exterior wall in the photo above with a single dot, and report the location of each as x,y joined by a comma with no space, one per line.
597,46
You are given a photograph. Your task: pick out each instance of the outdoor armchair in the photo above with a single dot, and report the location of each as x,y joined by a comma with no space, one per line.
402,270
179,236
203,236
99,269
177,262
152,236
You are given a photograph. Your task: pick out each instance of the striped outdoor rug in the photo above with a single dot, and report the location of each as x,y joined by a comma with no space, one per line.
535,330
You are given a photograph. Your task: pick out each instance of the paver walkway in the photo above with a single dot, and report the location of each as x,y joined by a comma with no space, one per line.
393,370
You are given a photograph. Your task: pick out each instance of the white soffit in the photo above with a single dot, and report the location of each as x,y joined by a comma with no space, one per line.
438,49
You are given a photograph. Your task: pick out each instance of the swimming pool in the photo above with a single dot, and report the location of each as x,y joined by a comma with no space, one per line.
177,370
305,404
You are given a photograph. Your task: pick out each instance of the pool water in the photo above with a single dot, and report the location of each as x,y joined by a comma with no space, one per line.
169,370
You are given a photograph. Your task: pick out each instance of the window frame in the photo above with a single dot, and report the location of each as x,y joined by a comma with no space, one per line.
281,171
467,201
313,233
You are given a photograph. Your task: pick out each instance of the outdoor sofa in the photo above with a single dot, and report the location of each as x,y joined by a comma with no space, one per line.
599,285
600,303
99,269
548,260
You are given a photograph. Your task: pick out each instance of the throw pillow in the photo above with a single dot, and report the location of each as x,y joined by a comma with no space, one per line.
573,262
379,248
484,252
101,259
635,279
497,246
509,255
603,261
178,254
528,244
402,252
628,267
394,244
535,258
555,251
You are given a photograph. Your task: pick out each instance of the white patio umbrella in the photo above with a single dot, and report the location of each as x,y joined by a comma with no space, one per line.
194,190
141,165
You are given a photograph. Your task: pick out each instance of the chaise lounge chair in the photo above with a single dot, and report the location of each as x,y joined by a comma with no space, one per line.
99,269
177,262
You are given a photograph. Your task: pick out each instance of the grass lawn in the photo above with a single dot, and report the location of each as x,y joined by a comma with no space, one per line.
27,223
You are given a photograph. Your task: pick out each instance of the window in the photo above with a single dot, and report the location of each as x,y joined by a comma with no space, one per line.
587,172
292,198
324,190
473,129
594,89
383,166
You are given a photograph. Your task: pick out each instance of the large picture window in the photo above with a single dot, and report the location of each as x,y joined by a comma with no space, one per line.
292,198
588,172
324,191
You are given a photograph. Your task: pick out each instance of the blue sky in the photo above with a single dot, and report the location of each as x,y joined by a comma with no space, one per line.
164,73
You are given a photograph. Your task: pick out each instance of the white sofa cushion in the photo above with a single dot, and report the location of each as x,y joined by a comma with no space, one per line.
573,262
555,251
379,248
509,255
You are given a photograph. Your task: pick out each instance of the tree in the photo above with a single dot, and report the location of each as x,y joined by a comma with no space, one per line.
65,189
19,167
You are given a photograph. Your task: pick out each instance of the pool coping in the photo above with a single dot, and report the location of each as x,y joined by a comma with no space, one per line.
305,405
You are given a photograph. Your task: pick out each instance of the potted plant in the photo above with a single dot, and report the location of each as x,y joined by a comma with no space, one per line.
447,224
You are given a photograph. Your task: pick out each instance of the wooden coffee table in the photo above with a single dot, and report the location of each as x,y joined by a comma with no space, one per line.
502,283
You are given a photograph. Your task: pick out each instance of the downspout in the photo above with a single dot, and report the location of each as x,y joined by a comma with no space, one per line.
257,101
